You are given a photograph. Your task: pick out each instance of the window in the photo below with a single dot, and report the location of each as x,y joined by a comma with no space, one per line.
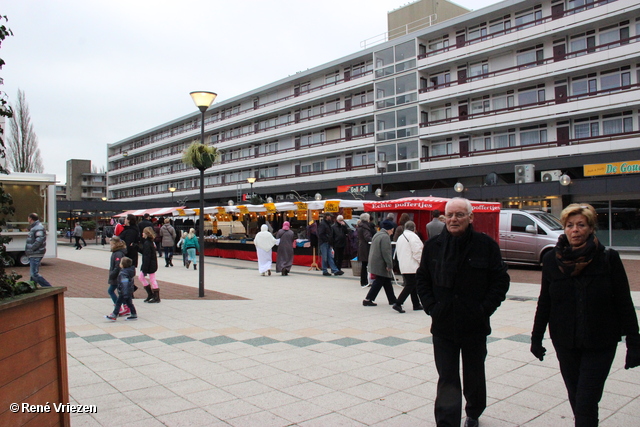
476,33
502,100
500,24
480,143
480,105
582,43
586,128
440,79
441,149
363,158
305,168
528,17
533,135
478,69
584,85
437,44
519,223
530,57
405,51
530,96
406,83
384,57
615,123
333,162
318,166
407,117
269,172
332,77
572,4
610,36
385,89
614,79
503,140
439,113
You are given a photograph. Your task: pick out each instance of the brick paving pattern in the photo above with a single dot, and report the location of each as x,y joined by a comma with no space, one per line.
84,281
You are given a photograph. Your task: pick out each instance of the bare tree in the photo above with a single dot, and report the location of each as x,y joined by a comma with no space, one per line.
22,144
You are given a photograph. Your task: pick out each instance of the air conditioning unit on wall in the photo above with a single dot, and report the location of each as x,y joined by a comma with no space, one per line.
525,173
548,176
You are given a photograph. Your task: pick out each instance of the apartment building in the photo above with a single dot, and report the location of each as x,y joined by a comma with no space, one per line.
83,183
499,102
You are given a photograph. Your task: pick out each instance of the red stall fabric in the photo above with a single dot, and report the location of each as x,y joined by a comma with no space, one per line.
486,215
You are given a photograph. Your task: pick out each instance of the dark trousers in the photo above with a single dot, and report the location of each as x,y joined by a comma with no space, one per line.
77,245
409,289
338,257
584,372
364,274
124,300
378,283
158,248
168,253
448,404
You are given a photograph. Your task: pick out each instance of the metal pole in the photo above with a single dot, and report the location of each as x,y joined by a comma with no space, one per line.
201,227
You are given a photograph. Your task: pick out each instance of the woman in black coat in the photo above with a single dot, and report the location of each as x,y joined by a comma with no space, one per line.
131,237
365,234
149,266
586,302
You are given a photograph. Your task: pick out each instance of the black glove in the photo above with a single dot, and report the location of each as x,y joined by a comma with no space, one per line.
537,349
633,351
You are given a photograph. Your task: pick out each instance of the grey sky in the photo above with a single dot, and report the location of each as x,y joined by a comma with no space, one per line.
95,72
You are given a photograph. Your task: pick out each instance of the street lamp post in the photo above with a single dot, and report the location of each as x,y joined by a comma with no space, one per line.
382,164
251,180
203,100
172,190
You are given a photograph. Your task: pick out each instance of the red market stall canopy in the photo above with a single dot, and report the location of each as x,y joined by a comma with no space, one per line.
152,212
486,214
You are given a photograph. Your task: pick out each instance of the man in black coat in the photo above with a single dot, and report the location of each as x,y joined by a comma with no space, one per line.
461,281
146,222
340,238
325,243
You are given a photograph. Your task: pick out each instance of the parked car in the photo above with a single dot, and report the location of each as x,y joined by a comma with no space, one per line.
526,236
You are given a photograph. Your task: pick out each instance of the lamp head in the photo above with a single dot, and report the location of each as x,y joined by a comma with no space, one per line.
203,99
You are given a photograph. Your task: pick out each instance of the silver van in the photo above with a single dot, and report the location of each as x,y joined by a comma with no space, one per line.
526,236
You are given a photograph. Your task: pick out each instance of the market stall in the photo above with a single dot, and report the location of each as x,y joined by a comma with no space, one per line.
486,215
220,219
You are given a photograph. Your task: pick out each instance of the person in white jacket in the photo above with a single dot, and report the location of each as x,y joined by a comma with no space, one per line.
408,251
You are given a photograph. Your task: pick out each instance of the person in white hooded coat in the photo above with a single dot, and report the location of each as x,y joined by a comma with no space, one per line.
264,242
408,251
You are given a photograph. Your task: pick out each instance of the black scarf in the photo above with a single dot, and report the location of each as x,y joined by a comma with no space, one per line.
451,257
571,260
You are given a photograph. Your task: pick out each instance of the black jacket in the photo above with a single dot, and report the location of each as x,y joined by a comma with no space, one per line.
365,232
591,310
131,237
325,234
340,233
479,286
149,257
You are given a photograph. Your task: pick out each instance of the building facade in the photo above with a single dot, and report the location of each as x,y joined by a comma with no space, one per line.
83,183
504,101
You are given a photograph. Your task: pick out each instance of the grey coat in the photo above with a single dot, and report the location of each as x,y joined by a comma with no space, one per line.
168,234
380,255
36,241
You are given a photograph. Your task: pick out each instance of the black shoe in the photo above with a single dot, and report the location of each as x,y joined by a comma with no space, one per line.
368,303
195,266
338,273
397,307
326,273
471,422
418,308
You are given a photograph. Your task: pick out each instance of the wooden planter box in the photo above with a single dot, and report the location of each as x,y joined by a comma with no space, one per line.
33,358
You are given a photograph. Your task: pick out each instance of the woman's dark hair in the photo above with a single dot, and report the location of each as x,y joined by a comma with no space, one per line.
132,219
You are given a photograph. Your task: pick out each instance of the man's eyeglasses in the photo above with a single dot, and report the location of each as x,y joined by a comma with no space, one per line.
458,215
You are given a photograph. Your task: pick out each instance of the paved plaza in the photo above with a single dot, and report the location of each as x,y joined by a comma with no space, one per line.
297,350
